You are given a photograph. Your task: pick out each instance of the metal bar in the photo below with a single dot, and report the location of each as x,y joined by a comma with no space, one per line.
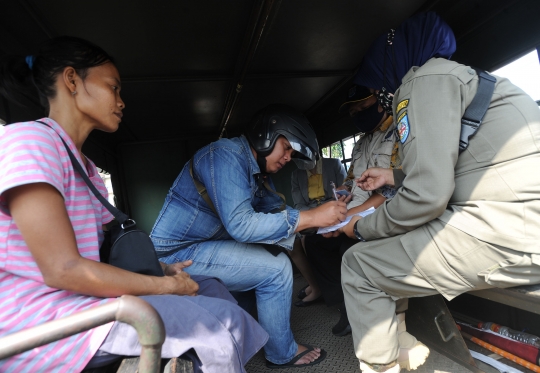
129,309
251,44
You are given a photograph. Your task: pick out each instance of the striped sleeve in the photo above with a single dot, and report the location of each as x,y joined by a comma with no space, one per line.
28,154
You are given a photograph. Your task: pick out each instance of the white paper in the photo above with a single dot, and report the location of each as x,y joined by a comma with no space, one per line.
344,223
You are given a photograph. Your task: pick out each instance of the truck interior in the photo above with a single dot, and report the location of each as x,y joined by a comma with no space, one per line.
195,71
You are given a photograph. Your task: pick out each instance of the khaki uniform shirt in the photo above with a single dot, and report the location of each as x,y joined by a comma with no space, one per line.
490,191
371,150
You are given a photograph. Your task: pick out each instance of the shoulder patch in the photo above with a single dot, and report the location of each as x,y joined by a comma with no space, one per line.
402,105
403,127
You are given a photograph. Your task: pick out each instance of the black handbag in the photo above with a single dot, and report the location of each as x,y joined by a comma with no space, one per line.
125,245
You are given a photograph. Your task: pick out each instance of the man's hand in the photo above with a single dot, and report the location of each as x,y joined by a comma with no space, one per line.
175,268
374,178
330,213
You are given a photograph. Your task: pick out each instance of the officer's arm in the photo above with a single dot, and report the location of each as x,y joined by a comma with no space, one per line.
429,155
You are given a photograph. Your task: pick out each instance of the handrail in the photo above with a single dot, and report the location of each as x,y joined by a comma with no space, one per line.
129,309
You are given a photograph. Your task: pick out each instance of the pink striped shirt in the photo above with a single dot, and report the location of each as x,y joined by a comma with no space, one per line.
33,153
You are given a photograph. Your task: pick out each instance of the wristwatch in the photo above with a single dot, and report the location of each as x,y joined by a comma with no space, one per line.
357,234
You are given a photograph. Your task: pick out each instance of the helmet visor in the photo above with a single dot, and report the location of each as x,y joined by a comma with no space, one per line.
304,157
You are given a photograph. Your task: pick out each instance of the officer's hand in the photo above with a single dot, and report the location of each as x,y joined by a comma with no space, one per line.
346,198
374,178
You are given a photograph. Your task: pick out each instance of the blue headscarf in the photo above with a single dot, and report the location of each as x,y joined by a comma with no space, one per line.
415,41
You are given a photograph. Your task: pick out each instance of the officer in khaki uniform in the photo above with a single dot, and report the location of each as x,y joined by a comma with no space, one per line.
458,222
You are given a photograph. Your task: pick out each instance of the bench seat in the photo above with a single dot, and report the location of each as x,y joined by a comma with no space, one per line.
523,297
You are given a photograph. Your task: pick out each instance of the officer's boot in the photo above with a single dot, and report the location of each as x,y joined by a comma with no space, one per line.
343,327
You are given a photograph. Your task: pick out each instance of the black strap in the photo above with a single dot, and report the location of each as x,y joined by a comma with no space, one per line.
472,119
118,215
201,189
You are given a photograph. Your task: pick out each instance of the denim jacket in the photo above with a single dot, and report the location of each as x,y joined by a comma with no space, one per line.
229,171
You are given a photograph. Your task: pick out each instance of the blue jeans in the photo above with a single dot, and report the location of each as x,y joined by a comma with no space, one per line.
244,267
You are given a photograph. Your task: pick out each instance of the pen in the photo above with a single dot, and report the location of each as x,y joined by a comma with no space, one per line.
334,190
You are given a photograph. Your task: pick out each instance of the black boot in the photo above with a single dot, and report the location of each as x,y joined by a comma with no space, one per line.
343,327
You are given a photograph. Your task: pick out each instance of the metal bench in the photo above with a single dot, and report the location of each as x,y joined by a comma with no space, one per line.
128,309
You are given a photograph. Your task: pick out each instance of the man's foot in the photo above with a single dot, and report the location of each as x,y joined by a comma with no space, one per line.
305,356
312,354
412,353
342,327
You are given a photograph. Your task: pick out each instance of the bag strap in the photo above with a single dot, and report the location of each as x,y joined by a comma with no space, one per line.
472,119
118,215
201,189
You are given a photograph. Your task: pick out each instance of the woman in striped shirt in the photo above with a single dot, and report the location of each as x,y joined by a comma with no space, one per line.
51,230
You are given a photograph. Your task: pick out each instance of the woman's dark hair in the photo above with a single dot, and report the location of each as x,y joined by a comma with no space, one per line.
19,75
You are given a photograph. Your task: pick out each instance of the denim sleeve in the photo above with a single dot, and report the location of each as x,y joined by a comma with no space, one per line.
226,174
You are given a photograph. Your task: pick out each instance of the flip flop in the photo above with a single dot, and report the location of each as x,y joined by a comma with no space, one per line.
291,364
302,293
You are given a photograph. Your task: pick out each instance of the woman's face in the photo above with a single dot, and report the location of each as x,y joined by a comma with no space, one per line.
99,97
280,156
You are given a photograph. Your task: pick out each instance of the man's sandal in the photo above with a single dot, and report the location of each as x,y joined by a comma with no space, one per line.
291,364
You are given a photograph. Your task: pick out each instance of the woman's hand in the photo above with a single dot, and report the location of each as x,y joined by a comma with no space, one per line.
374,178
183,284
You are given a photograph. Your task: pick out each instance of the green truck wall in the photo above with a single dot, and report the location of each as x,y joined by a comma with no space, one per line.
148,170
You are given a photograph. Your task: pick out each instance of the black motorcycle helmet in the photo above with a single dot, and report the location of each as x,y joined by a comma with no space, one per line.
281,120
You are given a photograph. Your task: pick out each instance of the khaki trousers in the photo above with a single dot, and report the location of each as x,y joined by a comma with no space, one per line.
376,274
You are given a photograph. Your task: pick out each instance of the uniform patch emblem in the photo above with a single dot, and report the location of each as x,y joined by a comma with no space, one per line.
403,128
402,105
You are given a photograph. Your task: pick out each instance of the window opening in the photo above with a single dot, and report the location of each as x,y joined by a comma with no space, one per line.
524,73
106,177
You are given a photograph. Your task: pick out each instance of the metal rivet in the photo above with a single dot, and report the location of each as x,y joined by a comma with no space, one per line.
260,134
274,121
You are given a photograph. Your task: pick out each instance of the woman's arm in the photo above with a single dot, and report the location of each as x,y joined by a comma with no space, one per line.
375,200
40,214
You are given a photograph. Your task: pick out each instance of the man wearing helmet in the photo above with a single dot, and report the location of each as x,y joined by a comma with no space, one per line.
223,217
